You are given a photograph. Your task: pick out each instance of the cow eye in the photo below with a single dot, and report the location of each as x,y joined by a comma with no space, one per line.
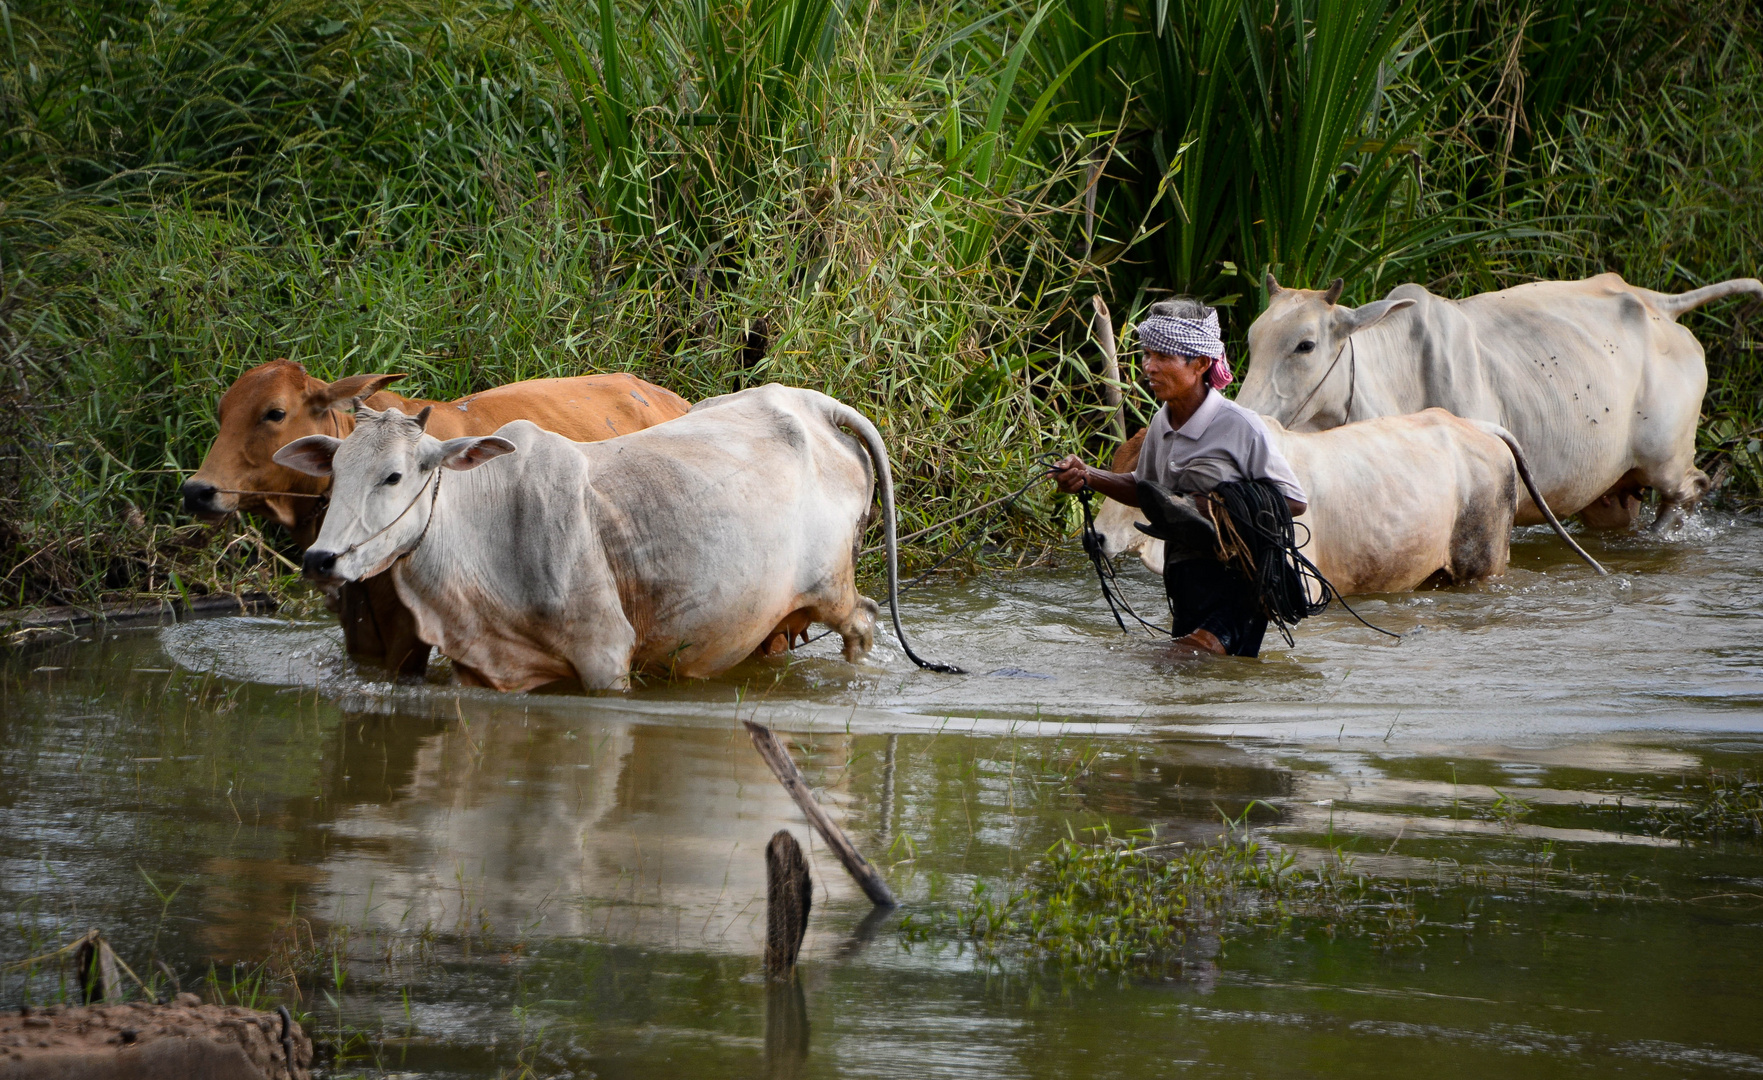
394,478
1306,346
275,416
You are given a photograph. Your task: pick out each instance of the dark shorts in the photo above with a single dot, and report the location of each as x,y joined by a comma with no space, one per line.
1205,594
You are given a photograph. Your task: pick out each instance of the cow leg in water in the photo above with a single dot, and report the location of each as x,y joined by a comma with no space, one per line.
379,629
1481,537
605,664
1679,499
361,632
791,632
855,623
1618,508
405,653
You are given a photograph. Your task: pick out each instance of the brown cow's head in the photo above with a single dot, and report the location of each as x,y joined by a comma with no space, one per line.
1293,347
266,409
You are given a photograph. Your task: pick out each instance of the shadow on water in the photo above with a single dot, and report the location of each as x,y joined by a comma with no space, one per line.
574,884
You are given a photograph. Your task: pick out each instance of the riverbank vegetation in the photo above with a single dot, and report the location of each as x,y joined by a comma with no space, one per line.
908,206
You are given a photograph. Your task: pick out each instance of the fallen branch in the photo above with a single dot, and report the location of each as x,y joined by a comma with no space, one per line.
771,749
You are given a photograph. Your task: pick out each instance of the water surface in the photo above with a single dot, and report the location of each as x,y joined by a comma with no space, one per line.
574,884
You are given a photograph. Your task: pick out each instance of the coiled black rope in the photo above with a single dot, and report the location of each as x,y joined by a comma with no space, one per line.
1278,569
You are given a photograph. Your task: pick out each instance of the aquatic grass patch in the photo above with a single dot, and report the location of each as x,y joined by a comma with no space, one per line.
1727,804
1124,904
1721,804
1134,905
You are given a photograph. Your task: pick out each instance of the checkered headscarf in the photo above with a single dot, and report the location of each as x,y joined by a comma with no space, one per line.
1188,337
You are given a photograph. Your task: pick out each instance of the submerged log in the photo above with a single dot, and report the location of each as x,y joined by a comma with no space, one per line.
143,1041
772,750
788,895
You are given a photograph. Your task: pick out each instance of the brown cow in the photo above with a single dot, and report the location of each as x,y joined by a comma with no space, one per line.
275,403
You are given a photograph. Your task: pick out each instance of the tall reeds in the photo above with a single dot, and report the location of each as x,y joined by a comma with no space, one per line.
905,205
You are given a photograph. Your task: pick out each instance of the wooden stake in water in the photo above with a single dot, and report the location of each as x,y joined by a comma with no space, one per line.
789,894
773,752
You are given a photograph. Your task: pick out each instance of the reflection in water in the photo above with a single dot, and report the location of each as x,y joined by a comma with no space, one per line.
586,874
786,1029
631,832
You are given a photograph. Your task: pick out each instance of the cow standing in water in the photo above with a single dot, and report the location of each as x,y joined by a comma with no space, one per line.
1394,502
276,403
677,550
1595,379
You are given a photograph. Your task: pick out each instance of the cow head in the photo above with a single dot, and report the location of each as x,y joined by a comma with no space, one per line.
1293,347
269,407
382,478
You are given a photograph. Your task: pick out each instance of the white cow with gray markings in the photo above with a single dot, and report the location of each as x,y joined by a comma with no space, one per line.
1594,378
1394,502
678,550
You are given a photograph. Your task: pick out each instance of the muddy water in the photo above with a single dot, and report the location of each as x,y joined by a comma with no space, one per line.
574,884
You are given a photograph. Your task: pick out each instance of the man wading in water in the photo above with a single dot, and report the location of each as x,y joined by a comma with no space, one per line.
1198,441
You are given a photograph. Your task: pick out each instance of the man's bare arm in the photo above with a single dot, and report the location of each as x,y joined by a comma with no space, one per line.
1071,475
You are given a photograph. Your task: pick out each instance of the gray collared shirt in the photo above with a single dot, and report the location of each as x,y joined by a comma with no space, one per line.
1220,443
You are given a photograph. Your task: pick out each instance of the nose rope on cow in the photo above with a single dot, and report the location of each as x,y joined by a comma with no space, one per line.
1352,381
323,496
272,494
434,494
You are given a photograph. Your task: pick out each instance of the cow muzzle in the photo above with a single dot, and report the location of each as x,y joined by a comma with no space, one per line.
320,566
206,501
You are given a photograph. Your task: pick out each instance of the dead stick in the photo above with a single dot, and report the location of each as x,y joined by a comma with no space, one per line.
784,768
1104,327
789,897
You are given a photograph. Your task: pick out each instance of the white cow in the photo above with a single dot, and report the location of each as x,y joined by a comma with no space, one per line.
1393,501
679,549
1594,377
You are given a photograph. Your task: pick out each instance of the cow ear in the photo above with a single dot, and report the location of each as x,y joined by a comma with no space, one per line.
470,451
355,386
1273,288
1353,320
311,455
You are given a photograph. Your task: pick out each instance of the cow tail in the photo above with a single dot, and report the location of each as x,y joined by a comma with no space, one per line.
1678,303
858,424
1536,496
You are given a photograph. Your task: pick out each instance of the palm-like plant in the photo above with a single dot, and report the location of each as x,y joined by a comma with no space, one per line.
1256,133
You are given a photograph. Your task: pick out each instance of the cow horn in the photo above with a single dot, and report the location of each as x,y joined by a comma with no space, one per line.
422,418
1333,292
1273,288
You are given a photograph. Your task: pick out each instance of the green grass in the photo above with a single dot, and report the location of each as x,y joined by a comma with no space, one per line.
906,206
1135,905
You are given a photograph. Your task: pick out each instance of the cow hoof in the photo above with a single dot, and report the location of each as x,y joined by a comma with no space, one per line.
776,645
859,631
